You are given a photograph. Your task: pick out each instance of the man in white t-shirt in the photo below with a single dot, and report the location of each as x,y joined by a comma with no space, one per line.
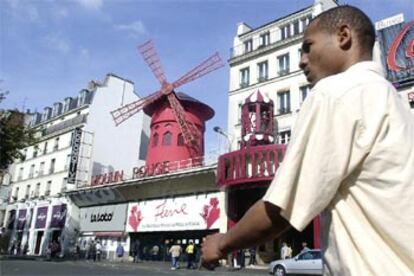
351,158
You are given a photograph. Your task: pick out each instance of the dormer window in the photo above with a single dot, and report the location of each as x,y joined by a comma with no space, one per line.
47,112
57,109
248,45
285,31
264,39
66,105
82,97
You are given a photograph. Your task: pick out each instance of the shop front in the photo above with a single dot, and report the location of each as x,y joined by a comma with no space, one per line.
106,225
157,224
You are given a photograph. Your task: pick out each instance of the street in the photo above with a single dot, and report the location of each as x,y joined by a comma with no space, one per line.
39,267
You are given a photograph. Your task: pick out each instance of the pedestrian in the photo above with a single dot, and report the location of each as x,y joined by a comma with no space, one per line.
98,248
305,247
289,252
136,249
154,252
284,251
175,252
252,252
190,250
350,157
120,252
92,250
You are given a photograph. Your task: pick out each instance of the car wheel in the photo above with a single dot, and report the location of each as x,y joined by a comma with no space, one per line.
280,271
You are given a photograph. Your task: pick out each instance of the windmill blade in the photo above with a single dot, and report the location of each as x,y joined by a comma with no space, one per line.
212,63
123,113
150,56
187,129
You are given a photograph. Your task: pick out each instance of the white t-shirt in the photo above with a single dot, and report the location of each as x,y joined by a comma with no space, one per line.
352,156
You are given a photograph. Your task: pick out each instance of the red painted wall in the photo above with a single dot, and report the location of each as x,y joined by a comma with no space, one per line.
163,121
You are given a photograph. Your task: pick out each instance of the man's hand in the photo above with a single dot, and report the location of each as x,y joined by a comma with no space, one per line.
211,251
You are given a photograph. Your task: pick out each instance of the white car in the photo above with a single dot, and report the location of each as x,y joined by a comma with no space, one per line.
309,262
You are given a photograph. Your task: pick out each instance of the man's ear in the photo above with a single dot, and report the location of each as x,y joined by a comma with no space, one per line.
344,36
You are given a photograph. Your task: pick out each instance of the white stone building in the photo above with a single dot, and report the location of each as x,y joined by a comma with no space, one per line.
76,139
266,58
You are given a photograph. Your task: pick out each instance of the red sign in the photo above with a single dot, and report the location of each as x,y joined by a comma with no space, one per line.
392,54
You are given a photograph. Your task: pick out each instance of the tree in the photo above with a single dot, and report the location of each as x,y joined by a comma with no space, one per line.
14,136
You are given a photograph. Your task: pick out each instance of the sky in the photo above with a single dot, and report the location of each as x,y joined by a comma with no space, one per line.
51,49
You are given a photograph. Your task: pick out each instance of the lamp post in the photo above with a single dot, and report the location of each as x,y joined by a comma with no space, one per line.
220,131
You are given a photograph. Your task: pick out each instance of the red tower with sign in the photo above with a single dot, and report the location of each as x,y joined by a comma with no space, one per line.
177,120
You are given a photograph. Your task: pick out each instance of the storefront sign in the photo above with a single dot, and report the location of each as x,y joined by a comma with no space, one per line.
11,219
21,219
41,217
175,214
103,218
397,47
58,216
73,165
390,21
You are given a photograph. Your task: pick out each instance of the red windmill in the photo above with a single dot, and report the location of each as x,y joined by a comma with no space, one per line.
169,110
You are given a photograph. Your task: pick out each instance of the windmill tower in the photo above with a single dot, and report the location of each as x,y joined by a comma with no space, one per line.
177,120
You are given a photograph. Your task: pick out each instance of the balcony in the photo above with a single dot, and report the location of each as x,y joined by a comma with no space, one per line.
250,165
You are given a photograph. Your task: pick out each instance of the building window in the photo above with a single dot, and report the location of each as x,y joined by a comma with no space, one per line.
31,172
52,166
284,102
56,146
166,138
180,140
248,45
20,175
283,64
35,151
262,69
45,148
26,196
67,161
264,39
48,187
37,191
244,77
239,112
284,137
285,31
16,194
296,29
64,182
155,138
304,91
41,168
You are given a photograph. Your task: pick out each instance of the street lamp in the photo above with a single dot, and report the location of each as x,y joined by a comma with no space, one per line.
219,130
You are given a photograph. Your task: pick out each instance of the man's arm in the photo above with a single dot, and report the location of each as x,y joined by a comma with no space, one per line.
260,223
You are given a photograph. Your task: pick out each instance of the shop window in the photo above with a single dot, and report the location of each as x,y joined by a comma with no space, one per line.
166,139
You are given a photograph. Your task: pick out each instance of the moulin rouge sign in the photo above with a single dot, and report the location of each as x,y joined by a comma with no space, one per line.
137,172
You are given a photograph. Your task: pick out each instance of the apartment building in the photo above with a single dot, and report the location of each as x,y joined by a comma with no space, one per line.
75,140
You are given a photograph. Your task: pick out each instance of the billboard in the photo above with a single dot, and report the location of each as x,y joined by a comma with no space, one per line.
196,212
397,48
103,218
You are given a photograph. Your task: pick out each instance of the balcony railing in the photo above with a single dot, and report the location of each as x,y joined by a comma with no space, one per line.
253,164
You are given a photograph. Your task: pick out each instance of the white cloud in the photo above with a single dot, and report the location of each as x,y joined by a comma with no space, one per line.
135,28
91,4
58,43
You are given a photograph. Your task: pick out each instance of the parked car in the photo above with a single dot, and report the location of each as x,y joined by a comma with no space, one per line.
309,262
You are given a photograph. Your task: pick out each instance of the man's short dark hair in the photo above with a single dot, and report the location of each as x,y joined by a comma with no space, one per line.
331,19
